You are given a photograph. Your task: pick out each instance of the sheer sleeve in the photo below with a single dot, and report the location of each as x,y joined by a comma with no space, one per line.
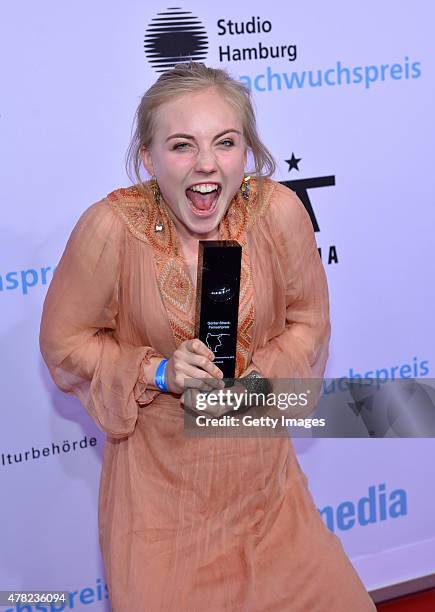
301,350
78,328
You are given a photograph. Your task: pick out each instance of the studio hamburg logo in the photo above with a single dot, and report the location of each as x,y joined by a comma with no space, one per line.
302,187
175,36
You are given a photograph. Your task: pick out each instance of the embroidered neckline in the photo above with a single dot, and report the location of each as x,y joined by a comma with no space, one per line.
141,213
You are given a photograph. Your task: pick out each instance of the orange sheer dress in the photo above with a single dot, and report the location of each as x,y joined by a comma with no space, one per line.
194,524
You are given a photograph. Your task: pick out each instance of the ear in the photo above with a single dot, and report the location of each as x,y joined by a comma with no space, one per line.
147,161
245,157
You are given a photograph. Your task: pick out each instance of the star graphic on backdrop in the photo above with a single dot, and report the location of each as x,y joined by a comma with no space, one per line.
293,163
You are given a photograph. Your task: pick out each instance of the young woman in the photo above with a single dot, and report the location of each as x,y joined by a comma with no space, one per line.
193,524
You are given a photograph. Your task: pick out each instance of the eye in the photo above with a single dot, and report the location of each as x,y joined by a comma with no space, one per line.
227,142
179,146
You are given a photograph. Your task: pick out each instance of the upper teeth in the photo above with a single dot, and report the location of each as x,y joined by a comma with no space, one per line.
204,188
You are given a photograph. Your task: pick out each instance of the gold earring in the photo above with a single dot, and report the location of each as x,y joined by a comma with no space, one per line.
245,187
156,190
158,225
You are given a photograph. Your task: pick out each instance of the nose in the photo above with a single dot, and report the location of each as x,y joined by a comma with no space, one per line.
205,161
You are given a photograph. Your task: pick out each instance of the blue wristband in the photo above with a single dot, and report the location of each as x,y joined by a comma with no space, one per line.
160,375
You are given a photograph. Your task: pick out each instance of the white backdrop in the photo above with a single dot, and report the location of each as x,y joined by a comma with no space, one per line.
72,76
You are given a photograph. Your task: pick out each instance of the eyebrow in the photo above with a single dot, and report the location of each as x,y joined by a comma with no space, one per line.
189,137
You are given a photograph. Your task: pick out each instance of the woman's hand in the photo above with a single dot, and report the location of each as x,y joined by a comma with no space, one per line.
192,360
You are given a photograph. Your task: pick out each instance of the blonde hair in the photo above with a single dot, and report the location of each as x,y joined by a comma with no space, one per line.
188,78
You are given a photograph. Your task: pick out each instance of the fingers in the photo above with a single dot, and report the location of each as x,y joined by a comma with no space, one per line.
204,364
195,353
193,360
195,366
198,347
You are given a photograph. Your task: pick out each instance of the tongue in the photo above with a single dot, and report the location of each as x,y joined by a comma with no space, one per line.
202,201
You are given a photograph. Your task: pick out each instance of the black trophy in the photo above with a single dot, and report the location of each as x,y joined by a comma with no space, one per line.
217,300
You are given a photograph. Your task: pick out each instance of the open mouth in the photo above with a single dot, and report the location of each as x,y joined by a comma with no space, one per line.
203,198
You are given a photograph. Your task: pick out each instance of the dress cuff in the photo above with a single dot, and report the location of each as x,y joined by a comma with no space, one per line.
142,395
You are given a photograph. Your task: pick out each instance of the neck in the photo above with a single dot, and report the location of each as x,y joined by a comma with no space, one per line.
190,239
